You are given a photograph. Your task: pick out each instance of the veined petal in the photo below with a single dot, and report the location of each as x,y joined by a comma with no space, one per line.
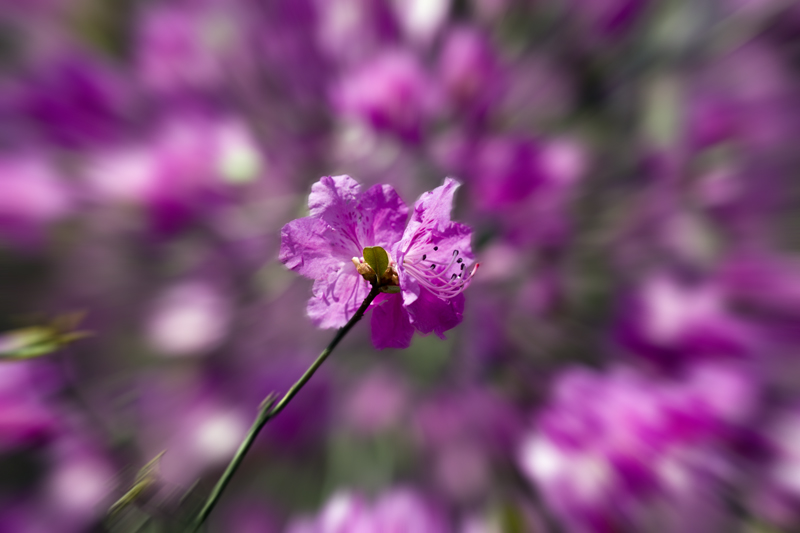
334,199
330,194
382,216
434,207
337,298
305,248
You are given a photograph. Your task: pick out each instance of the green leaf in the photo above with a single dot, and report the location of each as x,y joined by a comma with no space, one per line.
377,258
28,343
35,341
145,479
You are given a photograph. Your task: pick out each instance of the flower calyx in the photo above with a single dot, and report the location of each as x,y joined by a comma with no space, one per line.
374,260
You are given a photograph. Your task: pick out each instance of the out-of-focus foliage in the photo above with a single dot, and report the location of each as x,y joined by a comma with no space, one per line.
35,341
628,357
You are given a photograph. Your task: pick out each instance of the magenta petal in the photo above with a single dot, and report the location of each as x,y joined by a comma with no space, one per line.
434,207
334,200
430,221
383,217
306,249
337,298
332,194
391,327
431,314
410,288
455,236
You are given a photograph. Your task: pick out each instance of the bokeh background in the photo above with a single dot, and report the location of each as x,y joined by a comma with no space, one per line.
629,358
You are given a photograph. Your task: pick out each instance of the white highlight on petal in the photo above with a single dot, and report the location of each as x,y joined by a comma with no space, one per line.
79,485
592,475
564,160
541,460
671,309
421,19
188,319
340,511
219,435
786,472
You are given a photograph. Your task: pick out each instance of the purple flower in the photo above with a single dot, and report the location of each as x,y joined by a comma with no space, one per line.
321,246
670,321
74,100
527,185
184,168
187,46
391,93
25,419
776,496
349,31
432,267
640,448
188,318
470,73
465,433
32,197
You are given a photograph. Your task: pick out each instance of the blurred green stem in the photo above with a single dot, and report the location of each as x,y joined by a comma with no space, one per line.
269,410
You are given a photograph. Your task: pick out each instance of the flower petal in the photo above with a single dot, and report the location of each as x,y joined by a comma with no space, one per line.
332,193
334,199
390,323
305,248
431,215
337,298
383,217
433,207
409,286
432,314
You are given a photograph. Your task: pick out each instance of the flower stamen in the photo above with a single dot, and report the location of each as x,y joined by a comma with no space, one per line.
439,283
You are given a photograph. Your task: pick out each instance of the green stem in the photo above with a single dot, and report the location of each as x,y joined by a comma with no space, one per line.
269,410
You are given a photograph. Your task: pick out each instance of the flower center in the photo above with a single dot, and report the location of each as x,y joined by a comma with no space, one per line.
389,278
444,274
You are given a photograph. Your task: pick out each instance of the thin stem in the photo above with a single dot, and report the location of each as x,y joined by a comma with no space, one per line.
269,410
261,420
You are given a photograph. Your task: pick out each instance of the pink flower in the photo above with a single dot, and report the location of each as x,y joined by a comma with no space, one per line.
431,263
399,509
391,93
614,450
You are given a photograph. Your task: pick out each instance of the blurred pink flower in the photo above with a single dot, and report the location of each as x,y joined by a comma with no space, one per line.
32,196
391,92
470,73
398,510
188,46
671,321
188,164
776,495
642,447
189,318
377,402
